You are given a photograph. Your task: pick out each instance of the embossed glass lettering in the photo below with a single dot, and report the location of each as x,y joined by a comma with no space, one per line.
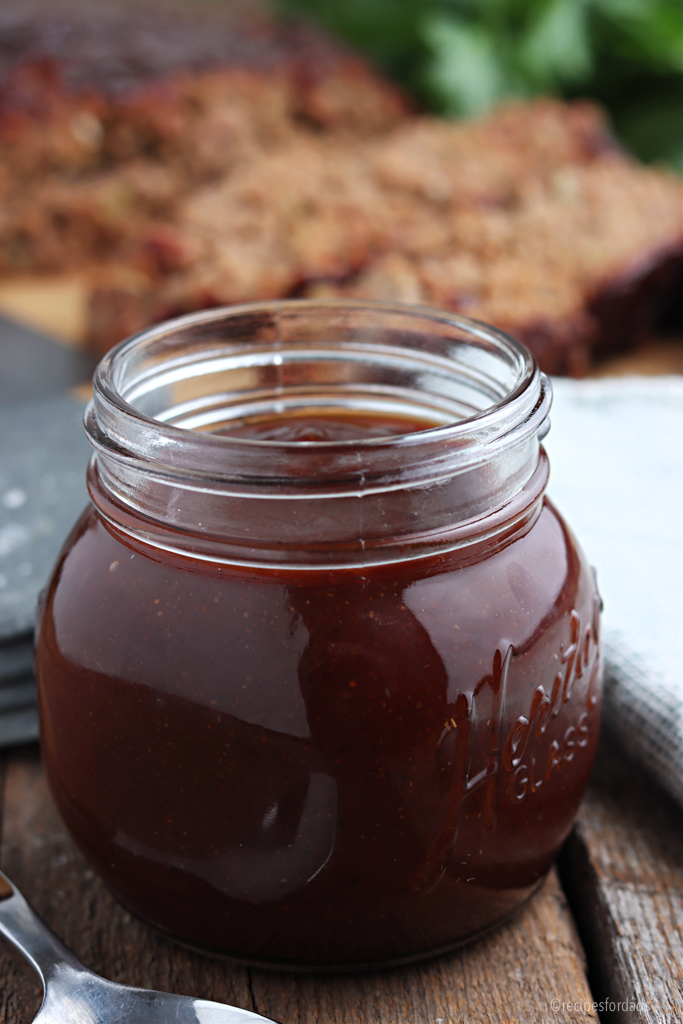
554,758
576,657
569,743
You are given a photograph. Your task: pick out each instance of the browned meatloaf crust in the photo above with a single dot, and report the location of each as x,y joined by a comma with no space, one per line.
108,121
245,161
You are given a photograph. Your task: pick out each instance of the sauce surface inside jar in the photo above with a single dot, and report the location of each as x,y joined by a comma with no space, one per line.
317,426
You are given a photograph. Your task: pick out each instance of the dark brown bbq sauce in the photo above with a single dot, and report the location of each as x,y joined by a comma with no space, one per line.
324,426
321,768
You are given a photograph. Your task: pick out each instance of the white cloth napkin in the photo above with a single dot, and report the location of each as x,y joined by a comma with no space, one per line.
616,458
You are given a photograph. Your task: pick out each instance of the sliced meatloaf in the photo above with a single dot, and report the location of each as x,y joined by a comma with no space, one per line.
194,161
109,118
530,220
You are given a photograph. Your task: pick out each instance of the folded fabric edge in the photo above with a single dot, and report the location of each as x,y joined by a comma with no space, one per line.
645,714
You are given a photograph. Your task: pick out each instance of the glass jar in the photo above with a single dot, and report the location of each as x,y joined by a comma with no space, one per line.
319,669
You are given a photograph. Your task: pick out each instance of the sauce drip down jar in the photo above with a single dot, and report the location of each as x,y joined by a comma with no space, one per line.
319,667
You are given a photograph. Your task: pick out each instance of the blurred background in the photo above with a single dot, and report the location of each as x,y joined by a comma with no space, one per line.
167,155
461,57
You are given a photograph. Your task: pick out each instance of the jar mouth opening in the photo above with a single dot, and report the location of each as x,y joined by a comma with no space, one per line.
164,395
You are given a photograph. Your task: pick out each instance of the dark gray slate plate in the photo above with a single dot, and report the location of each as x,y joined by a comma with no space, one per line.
19,726
16,659
33,365
43,458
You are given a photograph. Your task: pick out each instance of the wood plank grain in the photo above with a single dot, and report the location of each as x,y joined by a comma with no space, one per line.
41,860
511,975
623,868
20,991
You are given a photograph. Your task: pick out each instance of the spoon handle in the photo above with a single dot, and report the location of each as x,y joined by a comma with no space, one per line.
28,933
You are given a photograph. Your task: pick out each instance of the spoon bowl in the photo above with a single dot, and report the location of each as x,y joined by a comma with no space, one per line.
75,995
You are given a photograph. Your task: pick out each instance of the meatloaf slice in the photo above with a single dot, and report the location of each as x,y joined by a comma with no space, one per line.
530,219
109,118
195,160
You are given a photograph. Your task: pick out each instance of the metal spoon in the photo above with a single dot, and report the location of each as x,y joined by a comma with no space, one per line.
74,995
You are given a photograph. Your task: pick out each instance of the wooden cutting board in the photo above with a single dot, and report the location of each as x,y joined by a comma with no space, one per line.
58,305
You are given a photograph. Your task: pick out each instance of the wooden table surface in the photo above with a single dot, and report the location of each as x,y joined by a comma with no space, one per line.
602,940
608,926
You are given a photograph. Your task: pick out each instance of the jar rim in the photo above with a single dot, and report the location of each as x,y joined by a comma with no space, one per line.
363,500
120,429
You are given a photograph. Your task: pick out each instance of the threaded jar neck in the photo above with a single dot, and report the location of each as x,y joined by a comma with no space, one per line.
166,467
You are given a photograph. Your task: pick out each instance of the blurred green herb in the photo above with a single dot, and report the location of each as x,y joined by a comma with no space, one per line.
459,57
